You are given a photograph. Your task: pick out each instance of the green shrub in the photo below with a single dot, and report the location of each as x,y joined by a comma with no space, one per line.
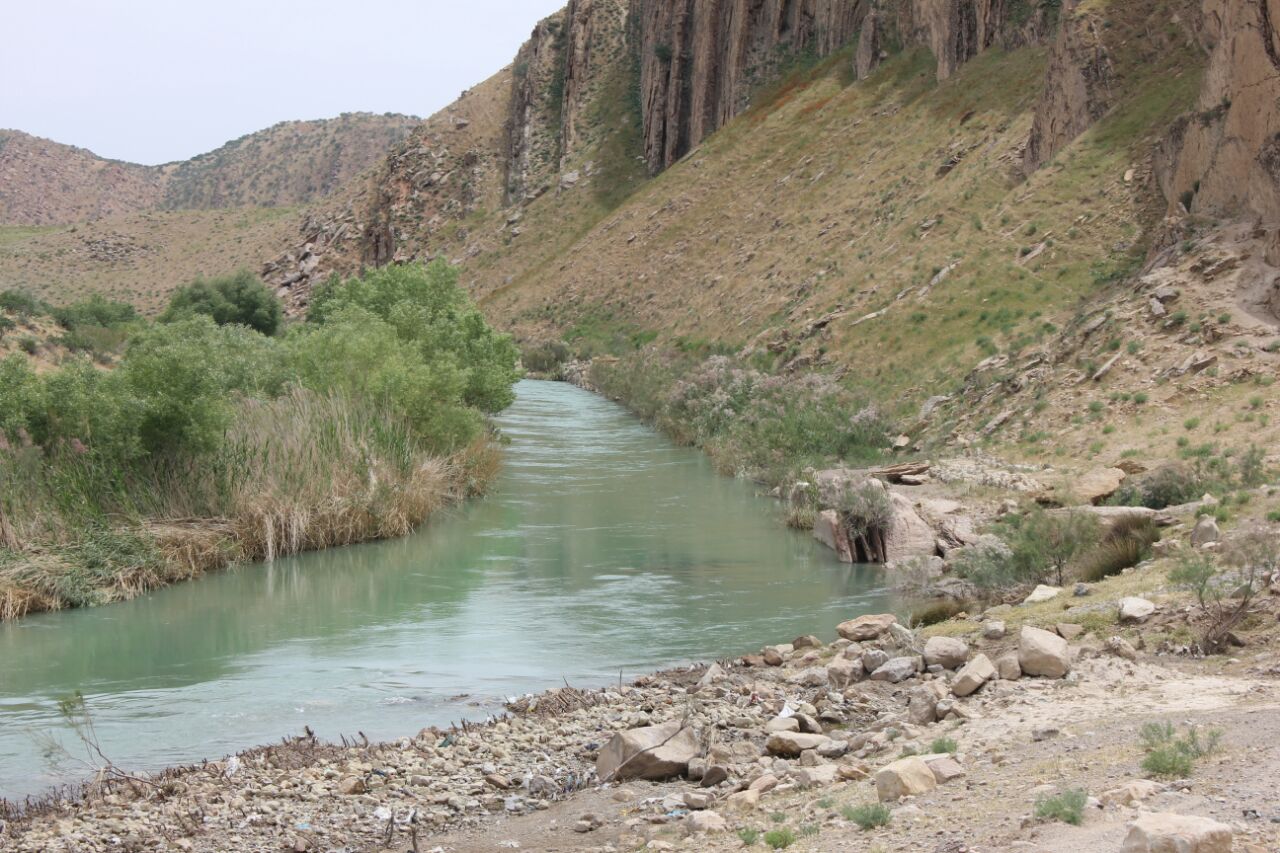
22,304
749,836
1127,543
546,358
1067,807
1170,756
432,317
96,311
944,746
868,815
240,299
779,839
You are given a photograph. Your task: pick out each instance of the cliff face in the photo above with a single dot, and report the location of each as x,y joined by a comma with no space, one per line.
1224,159
701,59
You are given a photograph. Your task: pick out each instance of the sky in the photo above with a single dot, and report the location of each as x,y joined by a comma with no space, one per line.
153,81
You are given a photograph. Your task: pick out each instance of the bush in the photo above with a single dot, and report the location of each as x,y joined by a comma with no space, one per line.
1067,807
432,316
240,299
1171,757
95,311
1225,599
779,839
868,815
944,746
1037,544
545,358
1127,543
22,304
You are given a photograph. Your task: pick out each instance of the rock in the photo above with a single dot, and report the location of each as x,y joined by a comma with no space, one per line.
497,780
772,657
782,724
654,753
808,724
922,707
1042,593
1043,654
906,777
791,744
994,630
745,800
975,673
909,536
352,785
707,822
713,674
763,784
1099,484
817,777
698,800
873,659
587,823
1068,630
830,531
1164,832
896,671
808,641
944,768
866,628
1205,531
1133,609
1132,792
715,774
1120,647
843,672
946,652
814,676
1008,667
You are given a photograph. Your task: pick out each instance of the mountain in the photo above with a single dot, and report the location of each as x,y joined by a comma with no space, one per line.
291,163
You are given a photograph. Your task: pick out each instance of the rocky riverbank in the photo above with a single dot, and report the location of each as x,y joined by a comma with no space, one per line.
957,730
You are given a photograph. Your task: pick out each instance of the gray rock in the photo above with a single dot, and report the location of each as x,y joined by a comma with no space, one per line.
896,670
655,753
947,652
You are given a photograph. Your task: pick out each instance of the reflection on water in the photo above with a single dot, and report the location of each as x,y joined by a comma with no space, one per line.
602,548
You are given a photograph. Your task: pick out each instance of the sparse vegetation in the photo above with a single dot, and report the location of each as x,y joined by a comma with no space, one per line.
780,839
1170,756
1225,598
1067,807
868,815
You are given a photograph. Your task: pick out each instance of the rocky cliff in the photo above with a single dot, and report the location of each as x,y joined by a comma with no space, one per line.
1223,160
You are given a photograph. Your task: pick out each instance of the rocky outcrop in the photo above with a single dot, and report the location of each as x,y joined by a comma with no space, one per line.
954,30
1076,90
701,61
1224,159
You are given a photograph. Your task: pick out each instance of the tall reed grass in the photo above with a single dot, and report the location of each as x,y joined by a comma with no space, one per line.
303,471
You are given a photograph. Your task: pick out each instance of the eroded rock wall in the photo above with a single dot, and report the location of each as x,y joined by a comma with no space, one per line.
1224,159
700,60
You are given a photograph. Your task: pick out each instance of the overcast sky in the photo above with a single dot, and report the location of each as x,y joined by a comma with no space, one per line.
153,81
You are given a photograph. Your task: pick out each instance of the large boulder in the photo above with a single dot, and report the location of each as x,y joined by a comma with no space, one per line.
1205,532
896,670
906,777
1164,832
1043,653
1134,609
976,673
791,744
946,652
866,628
830,531
1098,484
909,536
654,753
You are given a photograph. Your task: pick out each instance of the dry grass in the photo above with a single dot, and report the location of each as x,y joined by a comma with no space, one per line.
302,472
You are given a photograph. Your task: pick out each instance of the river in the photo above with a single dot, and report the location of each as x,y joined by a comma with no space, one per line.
602,549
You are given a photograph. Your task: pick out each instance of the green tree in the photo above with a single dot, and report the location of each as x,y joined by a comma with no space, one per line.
240,299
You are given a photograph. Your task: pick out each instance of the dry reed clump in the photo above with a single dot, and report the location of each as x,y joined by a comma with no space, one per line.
300,472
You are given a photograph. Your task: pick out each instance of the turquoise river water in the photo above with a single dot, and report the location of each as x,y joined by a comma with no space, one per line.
602,549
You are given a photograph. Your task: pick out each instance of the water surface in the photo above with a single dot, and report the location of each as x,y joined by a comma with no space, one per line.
603,548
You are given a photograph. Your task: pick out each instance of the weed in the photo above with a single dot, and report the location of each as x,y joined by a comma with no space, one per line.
1067,807
780,839
868,815
749,837
1170,756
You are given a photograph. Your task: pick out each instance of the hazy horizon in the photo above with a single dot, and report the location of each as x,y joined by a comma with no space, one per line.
149,82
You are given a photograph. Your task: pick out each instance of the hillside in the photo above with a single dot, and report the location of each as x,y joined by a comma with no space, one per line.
964,201
291,163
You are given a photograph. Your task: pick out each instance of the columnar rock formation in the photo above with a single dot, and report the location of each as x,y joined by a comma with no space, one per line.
700,61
